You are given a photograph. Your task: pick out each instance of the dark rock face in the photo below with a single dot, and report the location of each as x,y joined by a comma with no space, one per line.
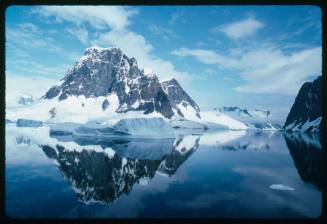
177,96
101,72
105,104
307,107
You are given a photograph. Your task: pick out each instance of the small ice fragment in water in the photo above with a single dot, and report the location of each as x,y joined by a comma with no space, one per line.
281,187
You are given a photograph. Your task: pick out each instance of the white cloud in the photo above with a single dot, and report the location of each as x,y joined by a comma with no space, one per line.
264,69
175,17
29,27
28,35
277,72
100,17
117,19
165,33
17,86
240,29
207,57
135,45
31,67
80,33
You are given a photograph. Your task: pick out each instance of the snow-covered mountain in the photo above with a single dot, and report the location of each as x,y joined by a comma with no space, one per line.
306,112
26,100
253,119
110,74
240,112
105,86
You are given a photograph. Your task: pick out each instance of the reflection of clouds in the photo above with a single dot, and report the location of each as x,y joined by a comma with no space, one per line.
205,200
258,179
21,149
22,175
245,140
217,138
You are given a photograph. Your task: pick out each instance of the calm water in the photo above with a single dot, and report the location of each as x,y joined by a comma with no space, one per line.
234,174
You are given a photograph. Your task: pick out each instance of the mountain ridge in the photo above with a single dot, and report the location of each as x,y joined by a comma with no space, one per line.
106,71
306,113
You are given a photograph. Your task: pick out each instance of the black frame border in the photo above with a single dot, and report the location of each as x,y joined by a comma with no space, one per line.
6,3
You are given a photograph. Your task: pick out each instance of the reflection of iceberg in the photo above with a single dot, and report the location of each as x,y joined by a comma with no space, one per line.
99,176
307,154
146,149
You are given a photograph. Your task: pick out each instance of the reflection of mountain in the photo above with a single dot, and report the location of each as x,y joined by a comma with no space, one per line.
96,177
183,149
23,140
306,152
104,177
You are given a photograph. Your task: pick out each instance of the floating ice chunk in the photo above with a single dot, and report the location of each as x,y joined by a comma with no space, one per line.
281,187
145,127
28,123
66,128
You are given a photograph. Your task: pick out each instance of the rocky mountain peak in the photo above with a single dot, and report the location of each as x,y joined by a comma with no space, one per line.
107,71
306,112
180,99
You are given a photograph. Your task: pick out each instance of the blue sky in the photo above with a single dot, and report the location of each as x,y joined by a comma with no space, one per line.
250,56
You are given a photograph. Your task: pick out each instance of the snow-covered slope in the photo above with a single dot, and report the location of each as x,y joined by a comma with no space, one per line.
211,117
253,119
104,72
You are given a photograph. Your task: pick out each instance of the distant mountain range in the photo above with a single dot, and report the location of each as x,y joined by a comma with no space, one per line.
253,119
26,100
239,112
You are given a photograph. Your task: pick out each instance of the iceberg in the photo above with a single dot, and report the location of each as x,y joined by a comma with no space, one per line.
131,128
28,123
145,127
281,187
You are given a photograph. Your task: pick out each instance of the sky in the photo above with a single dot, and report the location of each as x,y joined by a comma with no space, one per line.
254,57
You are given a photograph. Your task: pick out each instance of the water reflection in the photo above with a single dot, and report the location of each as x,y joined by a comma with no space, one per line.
306,151
98,176
241,140
191,175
